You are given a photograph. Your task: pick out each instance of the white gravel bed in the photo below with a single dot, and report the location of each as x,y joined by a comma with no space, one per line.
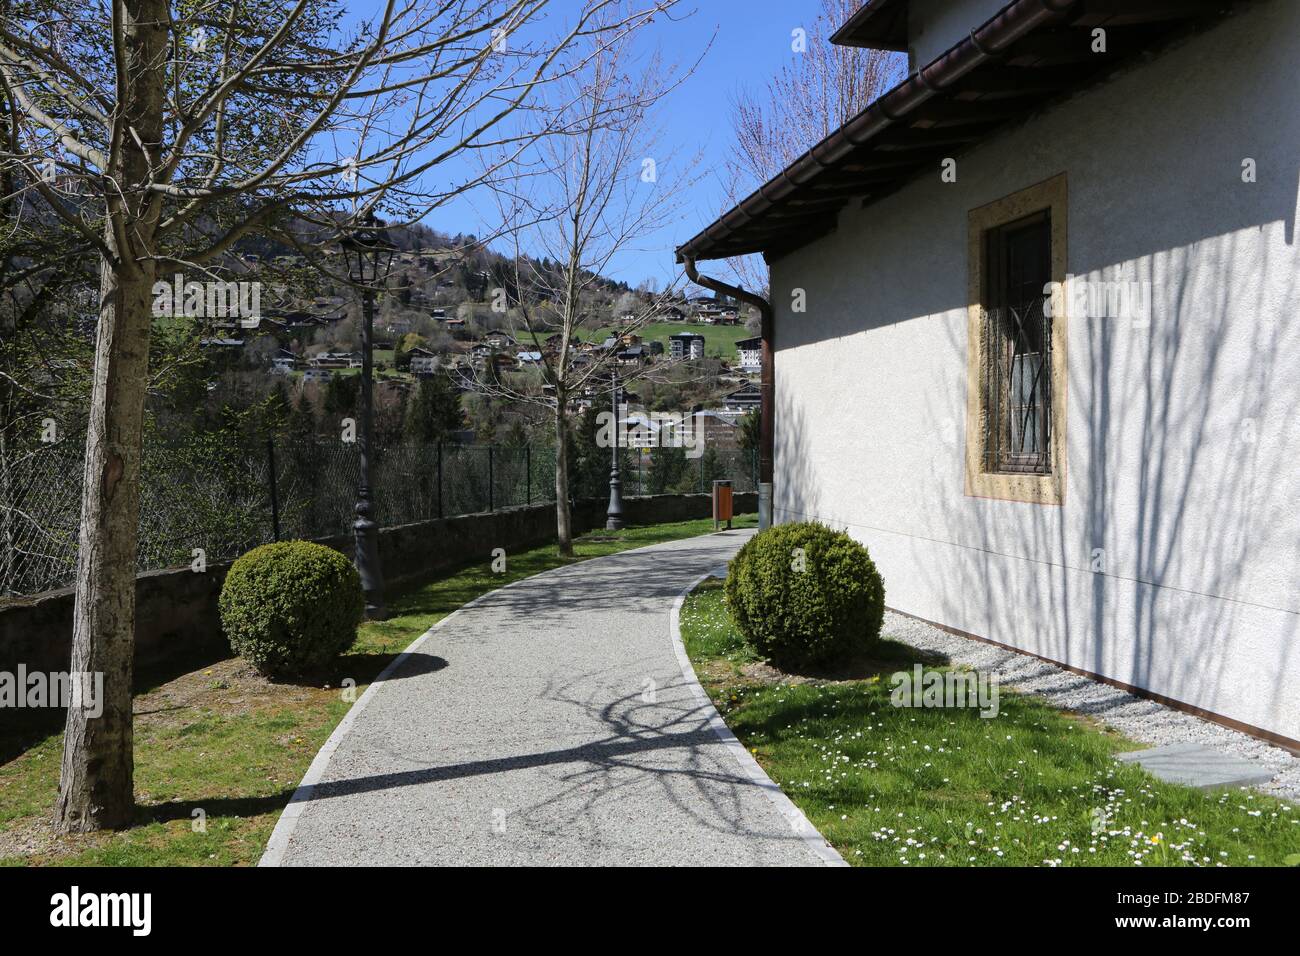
1135,717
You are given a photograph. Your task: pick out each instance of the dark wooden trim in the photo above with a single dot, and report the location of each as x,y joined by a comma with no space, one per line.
1036,51
1267,736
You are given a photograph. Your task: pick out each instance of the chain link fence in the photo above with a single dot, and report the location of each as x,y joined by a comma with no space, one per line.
226,497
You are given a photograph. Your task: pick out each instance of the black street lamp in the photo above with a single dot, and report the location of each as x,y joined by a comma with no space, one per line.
614,516
369,254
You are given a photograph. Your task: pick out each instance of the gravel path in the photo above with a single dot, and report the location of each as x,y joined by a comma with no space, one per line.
547,723
1135,717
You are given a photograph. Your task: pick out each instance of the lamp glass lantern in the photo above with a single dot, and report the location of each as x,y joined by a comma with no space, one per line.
369,253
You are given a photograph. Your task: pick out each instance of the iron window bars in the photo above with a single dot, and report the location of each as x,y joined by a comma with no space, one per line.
1017,347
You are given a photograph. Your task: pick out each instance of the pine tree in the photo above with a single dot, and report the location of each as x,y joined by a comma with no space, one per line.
434,412
749,431
278,410
711,468
302,420
590,475
668,470
341,395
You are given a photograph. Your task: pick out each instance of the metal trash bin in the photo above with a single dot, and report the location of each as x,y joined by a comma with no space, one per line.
721,503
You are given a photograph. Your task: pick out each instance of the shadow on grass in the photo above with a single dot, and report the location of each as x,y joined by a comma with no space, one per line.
212,807
364,668
885,656
22,729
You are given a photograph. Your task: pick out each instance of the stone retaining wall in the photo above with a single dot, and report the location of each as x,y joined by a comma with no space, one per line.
176,610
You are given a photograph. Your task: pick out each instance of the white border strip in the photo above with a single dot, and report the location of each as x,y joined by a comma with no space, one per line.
278,844
288,822
793,816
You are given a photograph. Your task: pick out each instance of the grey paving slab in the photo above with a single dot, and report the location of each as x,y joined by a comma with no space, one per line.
550,723
1199,766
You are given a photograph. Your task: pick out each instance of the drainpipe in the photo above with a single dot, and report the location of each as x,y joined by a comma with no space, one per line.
765,431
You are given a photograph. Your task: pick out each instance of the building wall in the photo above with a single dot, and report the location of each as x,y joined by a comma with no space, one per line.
720,434
1182,440
933,26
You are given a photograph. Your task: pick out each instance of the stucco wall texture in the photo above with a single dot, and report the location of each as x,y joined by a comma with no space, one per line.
1183,437
934,26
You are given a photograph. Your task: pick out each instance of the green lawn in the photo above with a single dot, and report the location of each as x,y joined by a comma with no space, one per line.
1033,786
219,750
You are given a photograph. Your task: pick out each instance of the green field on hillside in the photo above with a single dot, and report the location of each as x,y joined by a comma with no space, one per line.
718,339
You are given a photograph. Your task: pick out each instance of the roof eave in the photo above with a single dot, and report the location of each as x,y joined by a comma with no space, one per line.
788,210
877,25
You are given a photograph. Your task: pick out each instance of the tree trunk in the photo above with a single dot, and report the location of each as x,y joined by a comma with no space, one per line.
95,784
8,561
95,789
563,519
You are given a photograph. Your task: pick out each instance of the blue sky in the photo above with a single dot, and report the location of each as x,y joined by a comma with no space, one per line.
752,42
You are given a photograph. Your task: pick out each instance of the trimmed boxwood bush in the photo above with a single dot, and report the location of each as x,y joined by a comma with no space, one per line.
292,607
805,596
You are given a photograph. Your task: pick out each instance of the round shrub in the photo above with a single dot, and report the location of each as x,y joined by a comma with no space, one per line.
805,596
292,607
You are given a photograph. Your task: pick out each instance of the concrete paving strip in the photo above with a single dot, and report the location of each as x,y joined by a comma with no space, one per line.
550,722
1147,721
1197,765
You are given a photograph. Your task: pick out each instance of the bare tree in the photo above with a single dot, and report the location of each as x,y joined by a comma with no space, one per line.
164,132
822,87
590,192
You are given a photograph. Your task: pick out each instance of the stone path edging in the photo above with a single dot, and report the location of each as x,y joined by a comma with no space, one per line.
799,824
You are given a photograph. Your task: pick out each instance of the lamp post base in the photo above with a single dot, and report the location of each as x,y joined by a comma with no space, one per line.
367,561
614,515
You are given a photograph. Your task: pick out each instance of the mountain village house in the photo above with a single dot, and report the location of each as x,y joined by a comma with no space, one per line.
423,361
749,353
686,345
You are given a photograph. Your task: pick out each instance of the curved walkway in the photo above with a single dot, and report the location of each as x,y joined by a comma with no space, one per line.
549,722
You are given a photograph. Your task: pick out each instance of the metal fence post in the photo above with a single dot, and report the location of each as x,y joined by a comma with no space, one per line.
439,479
491,496
275,491
528,472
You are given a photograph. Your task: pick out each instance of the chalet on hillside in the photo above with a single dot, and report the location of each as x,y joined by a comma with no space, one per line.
721,430
336,360
749,355
686,345
423,361
744,399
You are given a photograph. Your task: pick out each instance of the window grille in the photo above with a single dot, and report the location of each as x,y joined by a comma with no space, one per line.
1017,348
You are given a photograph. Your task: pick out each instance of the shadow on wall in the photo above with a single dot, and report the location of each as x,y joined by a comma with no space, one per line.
1182,442
1180,485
